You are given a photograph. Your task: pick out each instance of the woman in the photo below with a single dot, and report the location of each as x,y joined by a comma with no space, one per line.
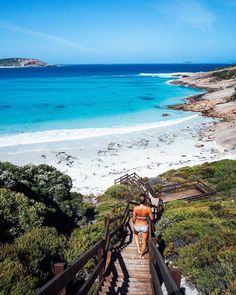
140,215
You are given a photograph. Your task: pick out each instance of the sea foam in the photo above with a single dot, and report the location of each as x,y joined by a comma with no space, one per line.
167,75
77,134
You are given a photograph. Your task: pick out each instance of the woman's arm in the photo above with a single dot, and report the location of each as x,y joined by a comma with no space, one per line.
134,215
150,213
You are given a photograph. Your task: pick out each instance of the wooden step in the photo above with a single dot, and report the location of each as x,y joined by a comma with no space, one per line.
132,280
139,263
139,285
134,274
121,293
126,290
134,256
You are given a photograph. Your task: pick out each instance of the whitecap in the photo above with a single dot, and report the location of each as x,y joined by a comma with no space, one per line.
167,75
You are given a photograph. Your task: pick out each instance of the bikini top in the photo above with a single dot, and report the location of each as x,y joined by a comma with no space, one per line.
142,212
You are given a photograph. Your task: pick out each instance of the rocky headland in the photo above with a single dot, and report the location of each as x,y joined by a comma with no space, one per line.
21,62
218,101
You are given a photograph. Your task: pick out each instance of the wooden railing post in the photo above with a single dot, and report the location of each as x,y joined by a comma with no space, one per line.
100,257
176,275
59,267
106,234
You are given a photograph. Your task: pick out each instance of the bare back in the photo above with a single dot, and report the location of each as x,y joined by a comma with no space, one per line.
140,214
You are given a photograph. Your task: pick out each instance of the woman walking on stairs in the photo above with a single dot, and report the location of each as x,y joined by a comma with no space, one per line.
140,215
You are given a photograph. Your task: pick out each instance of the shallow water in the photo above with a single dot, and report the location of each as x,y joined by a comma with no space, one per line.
92,96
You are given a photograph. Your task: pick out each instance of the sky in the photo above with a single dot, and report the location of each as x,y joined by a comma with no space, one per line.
119,31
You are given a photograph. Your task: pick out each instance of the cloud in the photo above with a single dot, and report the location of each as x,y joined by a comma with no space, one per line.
187,12
43,36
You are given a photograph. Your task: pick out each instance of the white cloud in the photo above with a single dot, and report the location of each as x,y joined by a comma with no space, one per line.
43,36
187,12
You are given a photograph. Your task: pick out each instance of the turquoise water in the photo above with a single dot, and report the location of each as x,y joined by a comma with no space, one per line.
35,102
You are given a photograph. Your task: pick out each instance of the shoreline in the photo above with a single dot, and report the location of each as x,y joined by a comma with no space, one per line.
59,135
94,164
219,101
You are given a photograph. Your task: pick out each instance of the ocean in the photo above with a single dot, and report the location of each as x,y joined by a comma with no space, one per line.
89,100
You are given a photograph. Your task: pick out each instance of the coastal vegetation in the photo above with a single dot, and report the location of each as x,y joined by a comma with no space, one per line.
43,222
224,75
200,236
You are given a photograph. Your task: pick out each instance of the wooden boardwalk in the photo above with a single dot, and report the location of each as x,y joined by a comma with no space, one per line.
188,190
127,272
119,268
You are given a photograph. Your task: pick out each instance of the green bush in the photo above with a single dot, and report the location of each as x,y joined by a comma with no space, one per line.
80,241
18,214
200,238
38,249
119,192
49,186
207,266
221,174
14,279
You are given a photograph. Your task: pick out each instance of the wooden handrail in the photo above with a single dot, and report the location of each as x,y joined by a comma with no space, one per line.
179,185
138,181
157,263
169,282
60,281
63,279
101,248
88,284
155,280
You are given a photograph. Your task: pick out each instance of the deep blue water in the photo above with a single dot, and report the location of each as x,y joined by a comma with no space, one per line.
81,96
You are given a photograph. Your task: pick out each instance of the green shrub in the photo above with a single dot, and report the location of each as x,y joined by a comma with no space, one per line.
205,265
225,75
221,174
18,214
14,279
49,186
80,241
200,238
119,192
38,249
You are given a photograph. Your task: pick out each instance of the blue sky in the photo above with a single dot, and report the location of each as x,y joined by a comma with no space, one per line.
119,31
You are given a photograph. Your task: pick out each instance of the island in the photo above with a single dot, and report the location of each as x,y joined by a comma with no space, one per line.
16,62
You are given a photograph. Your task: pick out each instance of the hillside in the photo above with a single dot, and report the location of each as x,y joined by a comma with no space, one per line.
200,236
43,222
22,62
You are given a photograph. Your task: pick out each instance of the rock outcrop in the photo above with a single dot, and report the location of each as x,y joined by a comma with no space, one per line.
22,62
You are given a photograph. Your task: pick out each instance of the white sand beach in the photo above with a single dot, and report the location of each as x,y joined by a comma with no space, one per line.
95,162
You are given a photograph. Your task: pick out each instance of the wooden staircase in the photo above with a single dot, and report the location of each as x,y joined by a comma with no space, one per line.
127,272
119,269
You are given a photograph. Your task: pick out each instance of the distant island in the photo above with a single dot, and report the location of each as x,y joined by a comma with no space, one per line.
21,62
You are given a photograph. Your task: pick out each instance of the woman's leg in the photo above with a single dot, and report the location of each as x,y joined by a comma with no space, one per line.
144,243
136,240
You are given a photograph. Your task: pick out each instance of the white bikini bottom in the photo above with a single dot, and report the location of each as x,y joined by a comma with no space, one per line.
141,229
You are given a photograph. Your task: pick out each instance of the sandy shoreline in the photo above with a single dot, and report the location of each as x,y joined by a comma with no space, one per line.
94,160
94,163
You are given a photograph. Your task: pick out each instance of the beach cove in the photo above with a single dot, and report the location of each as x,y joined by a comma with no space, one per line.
148,140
